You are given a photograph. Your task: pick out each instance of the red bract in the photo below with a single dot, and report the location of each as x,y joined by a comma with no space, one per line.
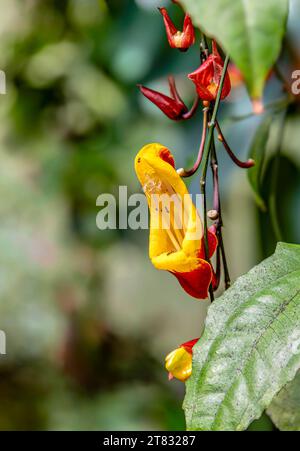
181,40
173,107
179,361
188,345
208,76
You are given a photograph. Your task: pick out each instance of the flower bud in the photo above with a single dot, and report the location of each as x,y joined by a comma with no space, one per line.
179,361
181,40
173,107
213,215
208,76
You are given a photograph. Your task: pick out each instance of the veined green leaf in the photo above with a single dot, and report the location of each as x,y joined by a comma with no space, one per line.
251,31
250,347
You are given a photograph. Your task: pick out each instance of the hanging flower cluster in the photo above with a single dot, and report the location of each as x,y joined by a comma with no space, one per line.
180,242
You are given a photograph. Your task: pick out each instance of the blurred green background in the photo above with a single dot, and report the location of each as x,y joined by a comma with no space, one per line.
88,319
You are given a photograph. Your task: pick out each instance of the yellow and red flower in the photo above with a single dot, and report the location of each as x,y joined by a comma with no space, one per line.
179,361
176,242
181,40
208,76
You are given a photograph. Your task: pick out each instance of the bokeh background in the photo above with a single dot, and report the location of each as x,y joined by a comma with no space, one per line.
88,319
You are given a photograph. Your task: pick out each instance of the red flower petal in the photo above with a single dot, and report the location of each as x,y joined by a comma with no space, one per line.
166,155
196,283
208,76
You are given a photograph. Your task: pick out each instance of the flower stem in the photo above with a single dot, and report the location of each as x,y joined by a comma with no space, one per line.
212,123
203,192
192,111
217,207
175,94
242,164
204,50
219,221
206,154
224,260
218,269
173,90
190,172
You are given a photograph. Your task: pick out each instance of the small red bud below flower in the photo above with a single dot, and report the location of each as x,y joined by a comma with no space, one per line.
208,76
181,40
173,107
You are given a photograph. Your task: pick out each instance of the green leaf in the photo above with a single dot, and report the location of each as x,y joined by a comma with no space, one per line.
285,407
251,32
264,423
250,347
257,153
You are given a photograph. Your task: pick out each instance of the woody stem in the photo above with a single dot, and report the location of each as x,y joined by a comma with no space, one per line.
203,48
224,260
206,155
219,221
206,247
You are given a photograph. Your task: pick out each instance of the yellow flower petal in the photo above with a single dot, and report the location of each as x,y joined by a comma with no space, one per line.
179,364
176,233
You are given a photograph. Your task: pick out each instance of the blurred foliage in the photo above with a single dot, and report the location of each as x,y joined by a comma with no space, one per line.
284,409
88,320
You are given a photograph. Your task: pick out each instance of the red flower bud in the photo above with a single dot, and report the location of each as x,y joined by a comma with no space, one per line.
173,107
208,76
181,40
179,361
188,345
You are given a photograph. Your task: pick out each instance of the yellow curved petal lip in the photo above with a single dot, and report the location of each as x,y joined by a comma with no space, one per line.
179,364
175,227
